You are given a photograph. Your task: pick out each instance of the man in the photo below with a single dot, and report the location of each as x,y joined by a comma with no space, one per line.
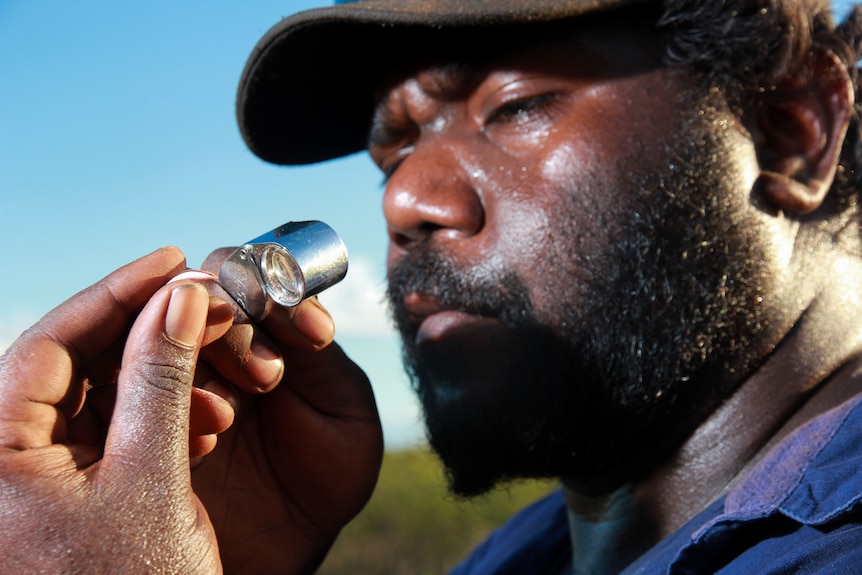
624,252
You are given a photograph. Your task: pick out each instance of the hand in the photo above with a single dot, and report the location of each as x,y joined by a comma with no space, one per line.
76,498
303,454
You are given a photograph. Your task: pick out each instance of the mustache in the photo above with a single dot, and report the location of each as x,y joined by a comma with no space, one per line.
489,289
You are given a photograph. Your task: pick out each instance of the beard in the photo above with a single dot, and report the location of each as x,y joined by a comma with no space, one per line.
643,338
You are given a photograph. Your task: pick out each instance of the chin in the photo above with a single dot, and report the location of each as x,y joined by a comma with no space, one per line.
500,407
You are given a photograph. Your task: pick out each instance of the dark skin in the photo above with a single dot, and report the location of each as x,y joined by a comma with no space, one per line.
67,485
278,476
477,166
270,497
97,458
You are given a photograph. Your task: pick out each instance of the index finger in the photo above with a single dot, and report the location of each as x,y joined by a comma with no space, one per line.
43,367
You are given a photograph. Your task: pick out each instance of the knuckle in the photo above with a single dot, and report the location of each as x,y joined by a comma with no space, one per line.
170,377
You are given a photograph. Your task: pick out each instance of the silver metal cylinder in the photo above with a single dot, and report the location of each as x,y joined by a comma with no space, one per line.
284,266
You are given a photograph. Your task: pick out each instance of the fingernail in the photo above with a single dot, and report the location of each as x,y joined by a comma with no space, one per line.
314,323
193,275
264,364
187,315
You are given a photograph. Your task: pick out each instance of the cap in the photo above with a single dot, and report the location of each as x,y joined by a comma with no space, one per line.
307,91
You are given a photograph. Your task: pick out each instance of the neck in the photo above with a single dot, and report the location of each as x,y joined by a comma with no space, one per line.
813,369
600,529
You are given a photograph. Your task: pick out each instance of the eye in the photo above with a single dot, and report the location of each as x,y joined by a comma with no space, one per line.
391,137
389,165
523,109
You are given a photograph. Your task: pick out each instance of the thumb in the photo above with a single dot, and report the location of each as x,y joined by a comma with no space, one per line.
149,429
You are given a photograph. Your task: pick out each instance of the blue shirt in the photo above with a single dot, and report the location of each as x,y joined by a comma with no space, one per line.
798,511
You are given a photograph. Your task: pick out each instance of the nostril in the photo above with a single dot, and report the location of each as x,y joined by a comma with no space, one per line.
416,234
428,228
399,239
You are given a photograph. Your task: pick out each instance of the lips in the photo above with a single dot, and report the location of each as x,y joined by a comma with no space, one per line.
437,322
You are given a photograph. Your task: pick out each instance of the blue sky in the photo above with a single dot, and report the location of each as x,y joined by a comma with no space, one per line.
117,136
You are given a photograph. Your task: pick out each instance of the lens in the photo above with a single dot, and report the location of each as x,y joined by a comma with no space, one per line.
281,275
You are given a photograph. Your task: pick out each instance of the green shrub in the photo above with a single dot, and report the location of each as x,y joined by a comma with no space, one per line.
412,526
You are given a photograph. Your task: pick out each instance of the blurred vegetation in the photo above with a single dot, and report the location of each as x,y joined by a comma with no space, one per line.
413,526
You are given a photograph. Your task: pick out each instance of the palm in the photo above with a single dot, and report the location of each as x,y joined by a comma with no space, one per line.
275,487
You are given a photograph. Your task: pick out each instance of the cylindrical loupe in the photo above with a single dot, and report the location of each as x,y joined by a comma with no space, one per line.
292,262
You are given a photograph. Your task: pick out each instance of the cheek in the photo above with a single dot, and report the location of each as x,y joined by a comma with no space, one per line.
552,227
567,161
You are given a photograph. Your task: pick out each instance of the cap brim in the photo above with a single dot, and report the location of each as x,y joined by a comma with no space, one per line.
307,91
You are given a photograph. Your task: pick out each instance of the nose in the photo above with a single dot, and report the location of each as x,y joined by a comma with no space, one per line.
433,193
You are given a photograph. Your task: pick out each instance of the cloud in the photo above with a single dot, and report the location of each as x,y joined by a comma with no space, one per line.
13,324
357,304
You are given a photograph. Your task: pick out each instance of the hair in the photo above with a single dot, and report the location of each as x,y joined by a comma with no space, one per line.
748,46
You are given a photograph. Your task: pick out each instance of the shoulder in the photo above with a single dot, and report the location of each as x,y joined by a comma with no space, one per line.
799,510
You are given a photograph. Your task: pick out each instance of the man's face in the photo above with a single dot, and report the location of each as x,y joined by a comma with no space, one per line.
575,265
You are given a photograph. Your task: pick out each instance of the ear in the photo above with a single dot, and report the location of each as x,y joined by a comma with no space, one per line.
802,123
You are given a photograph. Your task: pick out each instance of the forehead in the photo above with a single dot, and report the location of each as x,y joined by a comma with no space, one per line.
615,44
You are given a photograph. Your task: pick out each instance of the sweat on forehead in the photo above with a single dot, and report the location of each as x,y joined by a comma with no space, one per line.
588,48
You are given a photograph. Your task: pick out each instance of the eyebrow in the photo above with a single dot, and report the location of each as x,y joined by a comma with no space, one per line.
448,81
464,63
385,127
451,80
